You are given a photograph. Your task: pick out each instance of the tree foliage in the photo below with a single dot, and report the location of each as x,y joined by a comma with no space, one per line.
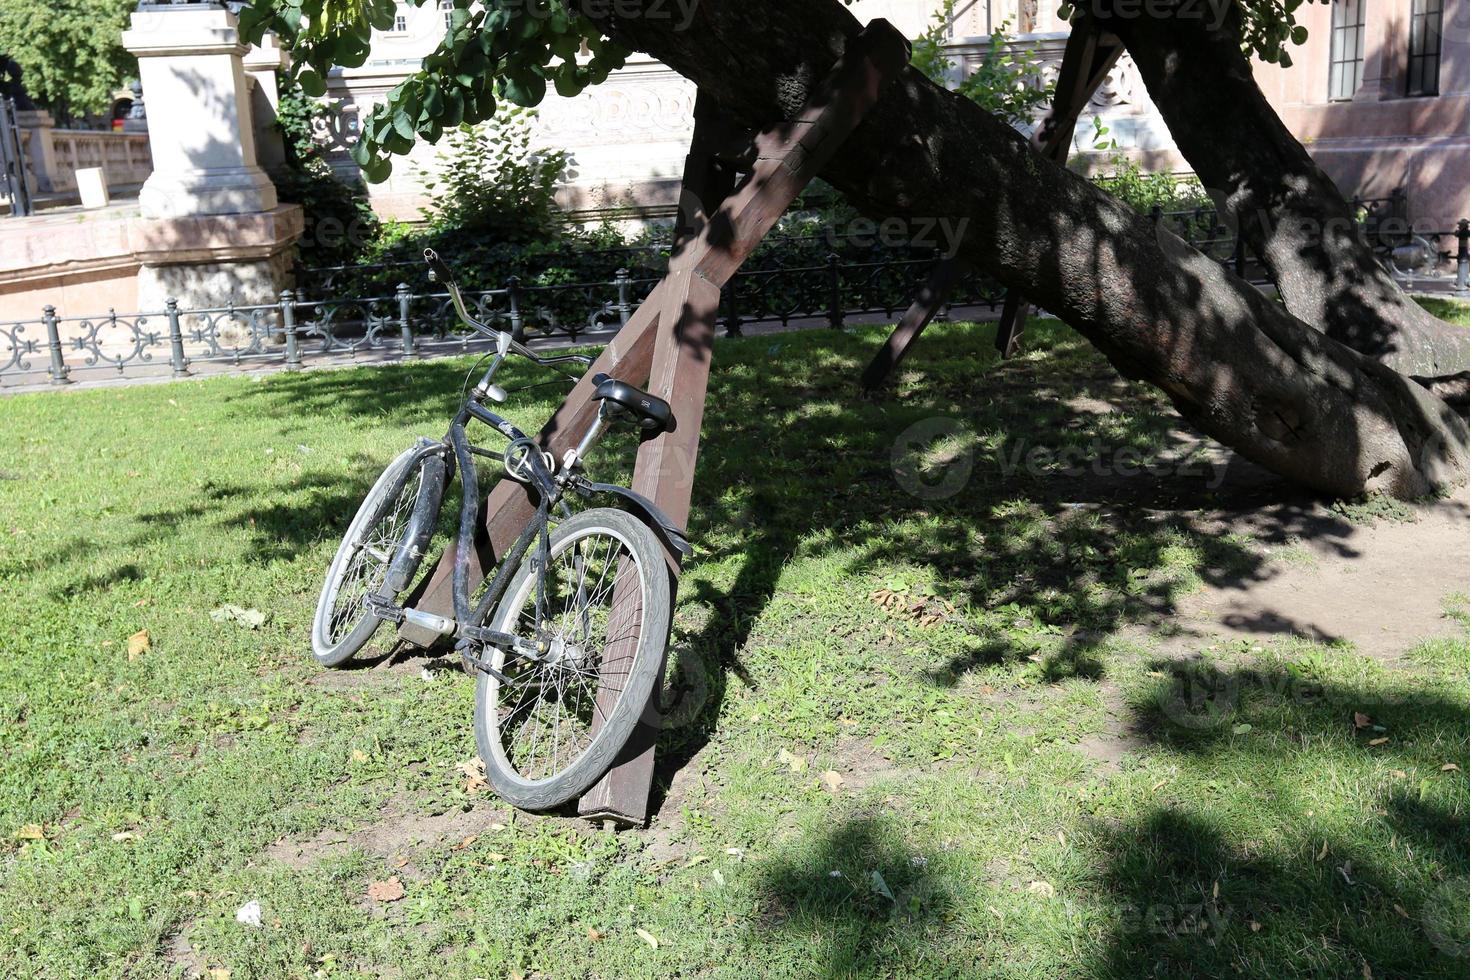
71,51
511,50
1006,82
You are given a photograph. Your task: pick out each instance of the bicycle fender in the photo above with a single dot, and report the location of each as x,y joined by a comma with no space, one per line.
673,536
423,519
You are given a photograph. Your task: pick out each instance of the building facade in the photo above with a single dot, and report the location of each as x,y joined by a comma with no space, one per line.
1379,94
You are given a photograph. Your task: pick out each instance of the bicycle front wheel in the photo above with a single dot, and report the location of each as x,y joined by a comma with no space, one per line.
383,527
556,726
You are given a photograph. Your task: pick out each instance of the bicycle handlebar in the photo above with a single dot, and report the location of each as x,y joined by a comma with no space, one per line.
438,270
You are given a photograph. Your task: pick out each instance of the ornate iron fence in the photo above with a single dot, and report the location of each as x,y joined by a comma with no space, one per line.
411,323
298,328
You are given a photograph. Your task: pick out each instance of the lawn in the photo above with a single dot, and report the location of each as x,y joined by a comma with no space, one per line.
935,714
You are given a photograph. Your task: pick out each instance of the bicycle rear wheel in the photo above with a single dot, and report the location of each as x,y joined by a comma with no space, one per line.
556,726
397,513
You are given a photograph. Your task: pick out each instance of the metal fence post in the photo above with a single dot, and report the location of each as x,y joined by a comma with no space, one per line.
624,282
405,297
175,339
834,272
58,369
288,321
1239,257
1462,259
517,322
732,307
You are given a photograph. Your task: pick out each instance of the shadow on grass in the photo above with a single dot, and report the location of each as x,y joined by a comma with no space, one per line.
1240,866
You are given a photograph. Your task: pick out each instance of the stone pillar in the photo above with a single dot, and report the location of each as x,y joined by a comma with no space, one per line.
261,65
199,125
211,231
1385,52
41,149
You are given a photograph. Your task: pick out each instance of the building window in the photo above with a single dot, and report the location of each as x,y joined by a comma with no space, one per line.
1425,21
1346,71
400,20
447,6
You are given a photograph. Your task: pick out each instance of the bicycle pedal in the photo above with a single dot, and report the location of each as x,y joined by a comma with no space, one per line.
383,608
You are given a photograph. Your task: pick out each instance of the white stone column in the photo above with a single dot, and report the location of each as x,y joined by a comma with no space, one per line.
199,121
261,64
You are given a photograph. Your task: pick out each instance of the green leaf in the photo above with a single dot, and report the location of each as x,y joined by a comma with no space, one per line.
311,83
525,88
377,170
403,124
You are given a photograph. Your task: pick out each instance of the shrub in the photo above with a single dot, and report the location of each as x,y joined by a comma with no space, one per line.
489,180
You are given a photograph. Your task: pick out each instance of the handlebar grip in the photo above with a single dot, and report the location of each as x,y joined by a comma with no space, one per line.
437,266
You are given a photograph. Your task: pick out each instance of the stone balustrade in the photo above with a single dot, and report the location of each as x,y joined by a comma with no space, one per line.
55,155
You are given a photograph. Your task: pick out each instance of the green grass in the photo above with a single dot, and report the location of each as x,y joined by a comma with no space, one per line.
957,660
1455,311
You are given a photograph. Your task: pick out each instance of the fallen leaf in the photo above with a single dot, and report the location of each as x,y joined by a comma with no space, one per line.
647,937
1377,741
1255,926
795,763
124,835
1403,912
497,858
832,780
1449,767
718,877
31,831
358,755
401,863
1242,729
474,775
1322,855
138,644
876,882
466,842
594,935
251,618
1042,888
1398,774
697,859
219,973
386,891
1361,720
248,915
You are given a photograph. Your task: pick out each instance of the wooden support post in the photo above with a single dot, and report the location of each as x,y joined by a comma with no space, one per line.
668,341
719,225
1088,58
927,304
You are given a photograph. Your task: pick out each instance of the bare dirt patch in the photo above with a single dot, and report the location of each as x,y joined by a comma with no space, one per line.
1378,586
400,832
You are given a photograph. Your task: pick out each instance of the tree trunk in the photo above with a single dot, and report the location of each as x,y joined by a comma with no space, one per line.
1285,207
1234,363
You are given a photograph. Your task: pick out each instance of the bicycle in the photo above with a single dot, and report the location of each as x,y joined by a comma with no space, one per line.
572,628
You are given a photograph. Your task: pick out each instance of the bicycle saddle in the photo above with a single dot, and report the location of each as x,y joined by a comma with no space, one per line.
651,411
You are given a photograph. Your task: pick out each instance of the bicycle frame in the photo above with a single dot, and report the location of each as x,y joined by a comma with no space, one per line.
524,461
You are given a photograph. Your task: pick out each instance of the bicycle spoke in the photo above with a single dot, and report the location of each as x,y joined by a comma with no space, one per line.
548,714
368,567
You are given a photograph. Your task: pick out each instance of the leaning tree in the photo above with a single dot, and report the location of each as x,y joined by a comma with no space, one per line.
1321,389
